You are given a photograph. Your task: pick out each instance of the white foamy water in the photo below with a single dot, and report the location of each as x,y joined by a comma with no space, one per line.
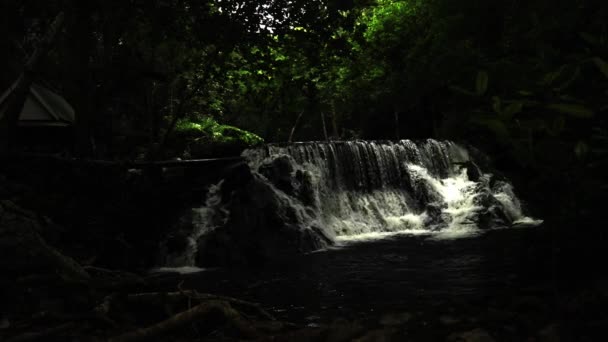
457,196
345,239
203,220
373,190
180,270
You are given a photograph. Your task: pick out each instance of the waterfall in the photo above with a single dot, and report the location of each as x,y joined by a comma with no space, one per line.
345,190
364,187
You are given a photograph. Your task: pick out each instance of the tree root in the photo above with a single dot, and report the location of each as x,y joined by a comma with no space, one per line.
33,336
190,316
193,295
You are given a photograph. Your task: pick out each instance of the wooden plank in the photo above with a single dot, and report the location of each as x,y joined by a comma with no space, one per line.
125,164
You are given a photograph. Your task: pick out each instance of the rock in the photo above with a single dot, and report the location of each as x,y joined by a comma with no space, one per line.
448,320
305,189
395,319
492,215
12,190
499,315
342,331
475,335
280,173
549,334
268,216
473,171
379,335
264,224
174,248
435,216
322,234
528,304
237,176
4,323
176,242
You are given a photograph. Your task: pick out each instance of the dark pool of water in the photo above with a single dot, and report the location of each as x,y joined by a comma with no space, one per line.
401,273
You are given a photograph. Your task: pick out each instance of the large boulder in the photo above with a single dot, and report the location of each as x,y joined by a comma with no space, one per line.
297,183
279,171
491,213
265,223
473,172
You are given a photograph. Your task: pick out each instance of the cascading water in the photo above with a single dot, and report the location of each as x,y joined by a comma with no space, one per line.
365,187
362,189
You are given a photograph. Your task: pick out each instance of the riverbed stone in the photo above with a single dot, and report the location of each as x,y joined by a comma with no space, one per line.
475,335
396,319
448,320
549,333
342,330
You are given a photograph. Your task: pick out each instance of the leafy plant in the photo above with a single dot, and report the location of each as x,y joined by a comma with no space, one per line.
215,132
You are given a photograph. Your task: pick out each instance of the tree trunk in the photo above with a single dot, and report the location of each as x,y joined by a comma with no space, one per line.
334,120
19,93
324,127
293,129
80,45
397,135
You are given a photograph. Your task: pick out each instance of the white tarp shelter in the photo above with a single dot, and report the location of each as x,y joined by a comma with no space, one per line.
42,108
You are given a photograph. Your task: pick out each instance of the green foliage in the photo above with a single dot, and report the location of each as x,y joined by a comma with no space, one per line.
216,133
389,19
516,77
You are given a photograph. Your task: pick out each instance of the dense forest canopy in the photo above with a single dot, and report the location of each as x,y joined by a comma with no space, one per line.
525,77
